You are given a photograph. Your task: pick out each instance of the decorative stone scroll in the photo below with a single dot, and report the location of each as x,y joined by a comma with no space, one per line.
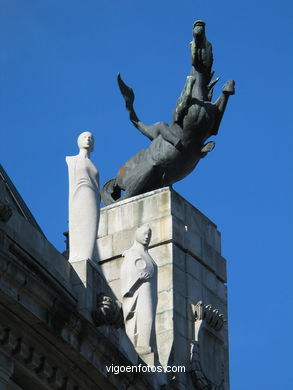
207,348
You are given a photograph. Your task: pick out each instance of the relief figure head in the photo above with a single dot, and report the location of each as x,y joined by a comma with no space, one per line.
86,141
143,235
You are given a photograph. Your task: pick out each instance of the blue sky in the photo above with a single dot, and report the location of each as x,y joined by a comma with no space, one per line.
59,61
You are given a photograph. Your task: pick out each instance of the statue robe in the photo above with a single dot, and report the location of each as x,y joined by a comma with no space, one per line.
84,207
139,299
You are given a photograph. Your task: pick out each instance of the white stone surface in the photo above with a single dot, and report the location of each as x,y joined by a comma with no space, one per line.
84,201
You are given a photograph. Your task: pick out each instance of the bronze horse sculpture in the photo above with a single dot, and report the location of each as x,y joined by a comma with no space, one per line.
175,148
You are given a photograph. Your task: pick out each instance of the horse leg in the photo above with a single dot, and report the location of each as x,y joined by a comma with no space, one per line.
161,128
184,99
221,103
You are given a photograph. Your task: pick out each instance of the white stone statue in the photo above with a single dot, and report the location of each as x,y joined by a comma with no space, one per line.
139,293
84,201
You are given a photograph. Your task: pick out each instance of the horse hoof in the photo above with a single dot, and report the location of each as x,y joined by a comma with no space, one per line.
229,87
208,147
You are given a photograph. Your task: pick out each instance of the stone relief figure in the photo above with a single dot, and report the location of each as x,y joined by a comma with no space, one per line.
175,148
84,201
139,293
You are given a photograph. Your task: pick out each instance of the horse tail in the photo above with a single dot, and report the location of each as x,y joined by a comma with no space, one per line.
110,192
128,96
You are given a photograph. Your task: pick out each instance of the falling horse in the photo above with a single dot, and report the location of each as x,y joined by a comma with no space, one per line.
175,148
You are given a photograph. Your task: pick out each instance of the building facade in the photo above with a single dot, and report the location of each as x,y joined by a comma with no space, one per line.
61,325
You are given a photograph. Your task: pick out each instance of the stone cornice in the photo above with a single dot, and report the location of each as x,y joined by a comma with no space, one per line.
42,330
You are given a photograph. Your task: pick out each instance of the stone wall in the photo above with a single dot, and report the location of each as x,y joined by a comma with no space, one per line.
48,339
186,246
51,333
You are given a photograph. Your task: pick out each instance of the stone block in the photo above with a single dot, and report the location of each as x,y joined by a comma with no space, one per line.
194,289
155,206
103,224
179,280
221,268
180,323
210,235
38,310
105,247
43,295
122,240
162,254
194,267
179,258
181,349
111,269
177,206
208,255
19,277
222,290
165,277
115,286
85,299
180,302
165,342
80,272
6,287
193,219
161,230
193,243
179,230
165,300
164,321
210,280
123,217
217,241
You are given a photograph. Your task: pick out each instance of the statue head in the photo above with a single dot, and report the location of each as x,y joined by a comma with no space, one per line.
86,141
198,28
143,235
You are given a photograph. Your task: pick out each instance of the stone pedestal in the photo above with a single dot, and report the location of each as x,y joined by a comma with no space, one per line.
191,317
84,282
